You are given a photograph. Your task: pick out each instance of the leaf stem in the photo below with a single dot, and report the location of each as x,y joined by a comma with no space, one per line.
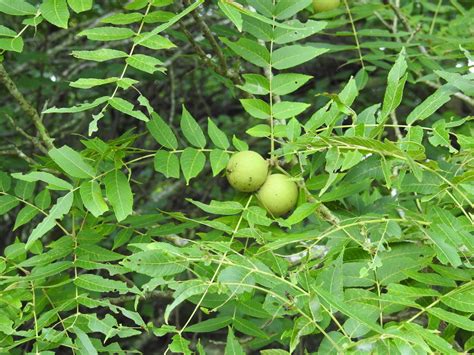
354,31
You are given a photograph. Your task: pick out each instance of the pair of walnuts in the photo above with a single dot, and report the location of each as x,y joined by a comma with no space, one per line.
248,171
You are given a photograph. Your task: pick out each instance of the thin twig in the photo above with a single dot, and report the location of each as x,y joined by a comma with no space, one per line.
233,76
396,126
171,75
407,25
25,106
199,51
15,151
433,23
210,37
356,38
32,139
221,69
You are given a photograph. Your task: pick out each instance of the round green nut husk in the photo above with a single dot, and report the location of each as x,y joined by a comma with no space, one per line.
247,171
278,194
325,5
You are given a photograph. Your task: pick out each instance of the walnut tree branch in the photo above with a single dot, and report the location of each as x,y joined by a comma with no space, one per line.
210,37
32,139
25,106
233,76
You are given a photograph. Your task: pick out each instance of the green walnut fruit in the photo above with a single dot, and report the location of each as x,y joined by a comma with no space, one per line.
325,5
278,194
247,171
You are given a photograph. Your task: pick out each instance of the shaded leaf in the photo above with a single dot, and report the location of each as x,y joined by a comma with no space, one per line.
7,203
25,215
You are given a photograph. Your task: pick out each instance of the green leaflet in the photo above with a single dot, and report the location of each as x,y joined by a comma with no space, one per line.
97,283
218,137
210,325
57,212
154,263
256,108
17,8
218,159
55,12
395,84
250,51
145,63
79,6
7,202
376,133
167,163
54,183
180,345
71,162
119,193
192,163
25,215
233,346
431,104
100,55
191,130
162,132
453,318
91,195
107,33
12,44
291,56
127,108
219,208
232,14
